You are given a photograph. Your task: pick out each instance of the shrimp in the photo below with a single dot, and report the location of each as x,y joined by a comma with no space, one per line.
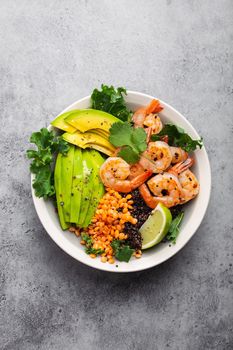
154,107
135,170
114,173
153,122
178,154
166,189
157,157
188,181
139,117
146,117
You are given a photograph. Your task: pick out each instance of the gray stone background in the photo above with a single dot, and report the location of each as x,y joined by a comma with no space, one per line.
55,52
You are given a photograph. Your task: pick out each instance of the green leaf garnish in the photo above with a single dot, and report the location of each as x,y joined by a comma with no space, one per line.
94,251
89,243
87,239
122,252
129,155
132,140
174,228
48,144
178,137
111,100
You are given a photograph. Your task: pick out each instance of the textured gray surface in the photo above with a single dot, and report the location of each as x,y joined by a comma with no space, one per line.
54,52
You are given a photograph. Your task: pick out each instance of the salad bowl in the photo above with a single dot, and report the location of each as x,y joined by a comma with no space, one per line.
194,210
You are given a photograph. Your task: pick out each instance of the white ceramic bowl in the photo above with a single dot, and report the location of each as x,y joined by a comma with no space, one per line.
194,210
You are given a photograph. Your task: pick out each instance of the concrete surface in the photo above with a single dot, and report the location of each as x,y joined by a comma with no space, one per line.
54,52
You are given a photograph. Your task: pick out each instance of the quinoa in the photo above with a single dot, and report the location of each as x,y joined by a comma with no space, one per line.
107,225
141,212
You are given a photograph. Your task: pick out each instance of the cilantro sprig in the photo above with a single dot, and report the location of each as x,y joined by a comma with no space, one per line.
122,252
178,137
87,239
47,145
111,100
89,245
132,140
174,228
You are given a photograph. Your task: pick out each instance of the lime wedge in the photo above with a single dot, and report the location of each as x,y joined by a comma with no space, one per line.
156,226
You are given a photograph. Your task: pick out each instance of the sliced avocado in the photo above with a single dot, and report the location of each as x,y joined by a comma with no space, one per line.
97,159
77,184
100,148
103,133
88,175
60,123
66,180
59,193
96,196
83,139
86,119
98,188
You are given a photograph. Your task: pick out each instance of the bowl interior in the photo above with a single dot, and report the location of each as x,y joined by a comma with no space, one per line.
194,210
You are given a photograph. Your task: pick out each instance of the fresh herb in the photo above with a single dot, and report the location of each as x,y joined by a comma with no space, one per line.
178,137
87,239
94,251
47,145
122,252
89,243
111,100
175,228
132,140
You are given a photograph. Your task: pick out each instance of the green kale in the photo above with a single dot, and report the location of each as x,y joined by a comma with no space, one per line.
48,144
174,228
132,141
111,100
44,183
122,252
178,137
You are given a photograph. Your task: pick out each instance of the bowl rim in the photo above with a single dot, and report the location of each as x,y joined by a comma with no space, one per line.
105,267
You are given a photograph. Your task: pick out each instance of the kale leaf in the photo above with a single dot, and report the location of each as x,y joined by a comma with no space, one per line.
111,100
47,145
178,137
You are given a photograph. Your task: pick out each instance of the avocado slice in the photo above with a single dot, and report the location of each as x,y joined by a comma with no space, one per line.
59,193
98,188
100,149
103,133
60,123
66,181
96,196
77,183
88,175
83,139
86,119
